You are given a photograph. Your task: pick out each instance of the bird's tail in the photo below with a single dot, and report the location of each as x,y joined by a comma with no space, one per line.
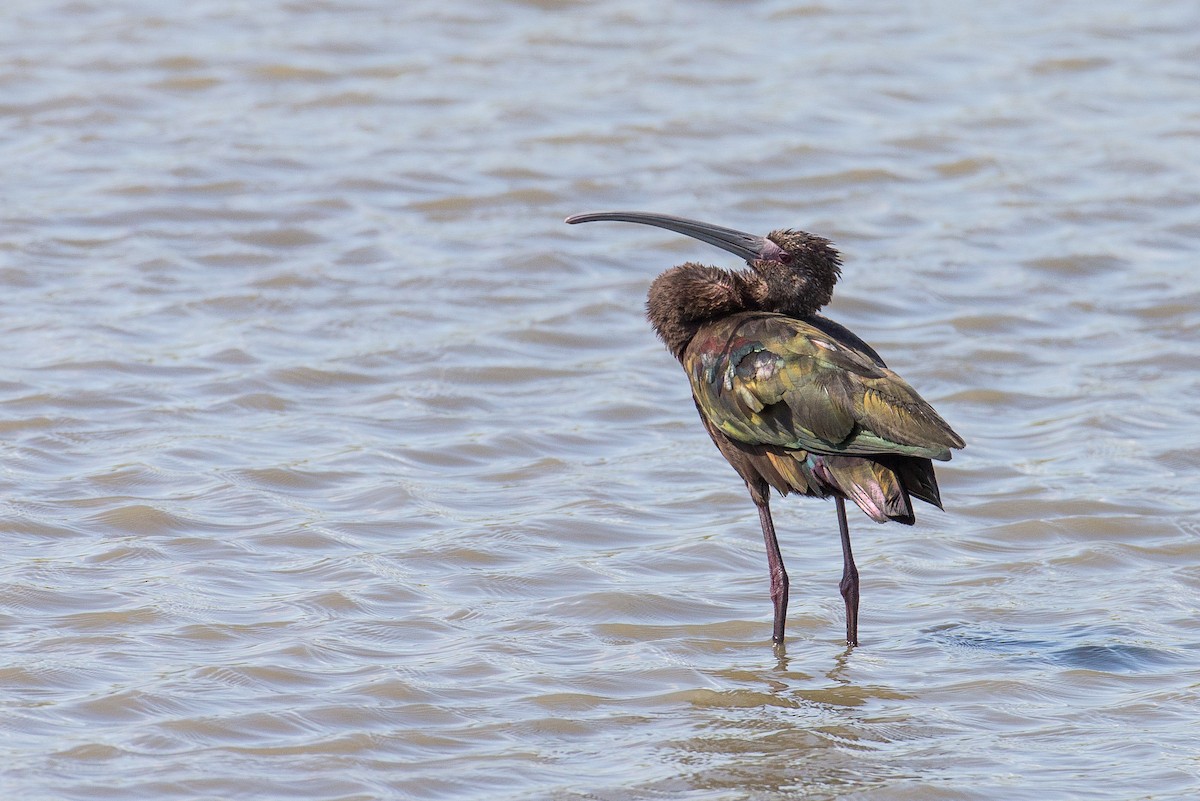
916,475
874,487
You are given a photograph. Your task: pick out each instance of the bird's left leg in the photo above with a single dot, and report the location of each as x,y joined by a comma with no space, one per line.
849,582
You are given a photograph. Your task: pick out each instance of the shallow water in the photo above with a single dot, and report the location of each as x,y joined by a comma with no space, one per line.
335,466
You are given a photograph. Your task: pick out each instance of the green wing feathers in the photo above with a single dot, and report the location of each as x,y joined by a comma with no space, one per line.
768,379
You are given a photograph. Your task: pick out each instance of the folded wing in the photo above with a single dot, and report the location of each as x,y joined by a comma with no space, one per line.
774,380
808,407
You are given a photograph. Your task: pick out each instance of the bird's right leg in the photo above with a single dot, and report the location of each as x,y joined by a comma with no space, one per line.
779,577
849,583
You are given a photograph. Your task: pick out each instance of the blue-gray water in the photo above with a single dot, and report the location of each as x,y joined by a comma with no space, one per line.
335,466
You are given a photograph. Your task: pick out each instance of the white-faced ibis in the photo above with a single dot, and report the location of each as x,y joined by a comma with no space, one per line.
792,399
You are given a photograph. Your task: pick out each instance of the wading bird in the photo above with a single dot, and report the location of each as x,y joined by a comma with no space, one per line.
792,399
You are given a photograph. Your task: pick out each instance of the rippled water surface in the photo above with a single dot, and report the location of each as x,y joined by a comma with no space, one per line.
335,466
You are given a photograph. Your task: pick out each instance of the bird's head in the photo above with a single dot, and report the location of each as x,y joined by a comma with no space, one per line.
799,271
791,272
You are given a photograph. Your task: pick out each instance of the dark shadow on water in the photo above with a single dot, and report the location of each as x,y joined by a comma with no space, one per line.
1108,649
1115,658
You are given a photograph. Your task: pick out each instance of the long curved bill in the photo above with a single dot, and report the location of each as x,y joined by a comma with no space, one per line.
748,246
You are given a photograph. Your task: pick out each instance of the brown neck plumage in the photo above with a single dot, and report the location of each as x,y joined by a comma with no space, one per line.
686,297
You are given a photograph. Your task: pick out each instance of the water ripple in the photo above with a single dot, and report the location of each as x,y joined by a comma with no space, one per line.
336,466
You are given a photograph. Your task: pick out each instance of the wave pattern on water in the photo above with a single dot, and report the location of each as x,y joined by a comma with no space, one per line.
335,466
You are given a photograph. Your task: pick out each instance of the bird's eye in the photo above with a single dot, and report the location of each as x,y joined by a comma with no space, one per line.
785,257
